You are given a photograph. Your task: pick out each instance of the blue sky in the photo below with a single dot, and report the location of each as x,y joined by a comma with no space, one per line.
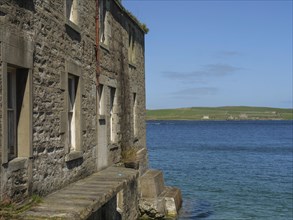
217,53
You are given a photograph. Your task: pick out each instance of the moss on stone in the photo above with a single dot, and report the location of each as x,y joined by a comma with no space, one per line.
129,155
142,26
11,210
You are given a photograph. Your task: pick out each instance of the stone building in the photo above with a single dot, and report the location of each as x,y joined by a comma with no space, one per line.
121,90
48,95
72,109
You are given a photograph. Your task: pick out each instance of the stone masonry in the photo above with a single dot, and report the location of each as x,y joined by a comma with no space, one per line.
41,31
122,70
72,107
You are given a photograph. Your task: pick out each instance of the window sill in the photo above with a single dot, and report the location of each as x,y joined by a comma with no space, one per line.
102,117
113,146
73,156
105,47
132,65
135,139
73,26
17,164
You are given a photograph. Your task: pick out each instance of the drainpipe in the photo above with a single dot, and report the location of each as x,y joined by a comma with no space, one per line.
97,43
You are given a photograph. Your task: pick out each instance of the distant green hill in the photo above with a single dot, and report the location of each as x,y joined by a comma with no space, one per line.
221,113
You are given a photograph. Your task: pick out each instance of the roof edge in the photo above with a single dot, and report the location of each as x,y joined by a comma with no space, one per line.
141,25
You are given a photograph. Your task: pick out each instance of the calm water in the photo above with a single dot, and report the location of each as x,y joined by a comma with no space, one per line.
226,169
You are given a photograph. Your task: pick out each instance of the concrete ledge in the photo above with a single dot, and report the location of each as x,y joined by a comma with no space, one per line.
173,200
17,164
105,47
152,184
72,25
132,65
102,117
80,199
152,208
157,200
73,156
142,157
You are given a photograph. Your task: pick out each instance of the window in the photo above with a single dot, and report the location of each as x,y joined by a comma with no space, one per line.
16,103
72,89
72,124
131,45
120,202
134,112
101,100
102,21
18,113
71,11
112,114
11,113
105,30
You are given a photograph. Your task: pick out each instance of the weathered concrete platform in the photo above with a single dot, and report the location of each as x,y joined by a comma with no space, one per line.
173,200
84,197
157,200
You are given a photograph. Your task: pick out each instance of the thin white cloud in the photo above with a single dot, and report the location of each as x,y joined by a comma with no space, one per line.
195,92
199,76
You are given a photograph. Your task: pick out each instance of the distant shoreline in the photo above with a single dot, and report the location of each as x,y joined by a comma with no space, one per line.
229,113
148,120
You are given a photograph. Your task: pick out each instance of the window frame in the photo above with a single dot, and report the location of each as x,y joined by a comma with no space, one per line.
131,45
22,115
134,115
73,148
11,99
101,101
72,23
112,115
104,27
17,51
72,90
71,11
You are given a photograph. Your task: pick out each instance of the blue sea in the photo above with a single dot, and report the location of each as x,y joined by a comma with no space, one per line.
226,169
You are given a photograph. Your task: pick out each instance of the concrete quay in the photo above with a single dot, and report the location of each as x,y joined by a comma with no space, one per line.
158,201
86,198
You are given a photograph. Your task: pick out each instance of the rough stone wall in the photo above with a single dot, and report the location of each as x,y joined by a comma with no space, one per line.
107,211
1,100
129,209
130,201
129,78
55,43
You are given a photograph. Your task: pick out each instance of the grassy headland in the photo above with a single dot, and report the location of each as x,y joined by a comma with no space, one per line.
221,113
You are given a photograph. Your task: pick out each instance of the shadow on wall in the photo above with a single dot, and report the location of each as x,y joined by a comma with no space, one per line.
74,163
27,4
73,34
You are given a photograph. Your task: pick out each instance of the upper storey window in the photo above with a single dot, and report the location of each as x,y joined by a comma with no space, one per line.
105,30
131,45
71,11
